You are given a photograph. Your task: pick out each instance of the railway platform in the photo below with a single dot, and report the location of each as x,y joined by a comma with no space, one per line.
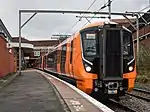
37,91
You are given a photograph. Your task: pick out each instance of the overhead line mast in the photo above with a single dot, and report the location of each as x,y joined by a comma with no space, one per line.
109,8
102,7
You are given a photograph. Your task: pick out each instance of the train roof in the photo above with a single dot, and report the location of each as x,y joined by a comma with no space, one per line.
98,24
101,24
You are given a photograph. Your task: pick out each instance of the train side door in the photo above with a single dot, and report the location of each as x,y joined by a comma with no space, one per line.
58,59
67,58
71,59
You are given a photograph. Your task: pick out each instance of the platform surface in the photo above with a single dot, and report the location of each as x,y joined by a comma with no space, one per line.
29,93
77,100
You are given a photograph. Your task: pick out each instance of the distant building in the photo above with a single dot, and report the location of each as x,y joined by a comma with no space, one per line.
32,50
8,55
144,29
123,22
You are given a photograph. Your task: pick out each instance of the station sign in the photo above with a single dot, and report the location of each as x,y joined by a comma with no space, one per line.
36,53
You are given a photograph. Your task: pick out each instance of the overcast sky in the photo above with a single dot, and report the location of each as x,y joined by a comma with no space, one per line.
42,26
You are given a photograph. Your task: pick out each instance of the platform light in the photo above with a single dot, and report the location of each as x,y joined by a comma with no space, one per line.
130,68
88,68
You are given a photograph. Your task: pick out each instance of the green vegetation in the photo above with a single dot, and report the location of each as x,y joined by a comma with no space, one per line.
143,66
5,78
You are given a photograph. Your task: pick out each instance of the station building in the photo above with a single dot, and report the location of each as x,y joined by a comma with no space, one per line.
32,50
7,53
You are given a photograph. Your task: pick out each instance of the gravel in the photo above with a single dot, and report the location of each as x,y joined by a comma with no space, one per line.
136,104
145,86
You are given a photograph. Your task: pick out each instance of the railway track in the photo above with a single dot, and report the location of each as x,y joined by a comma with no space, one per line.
113,104
140,94
118,107
141,90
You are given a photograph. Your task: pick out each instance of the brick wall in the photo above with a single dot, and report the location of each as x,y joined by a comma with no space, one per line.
7,64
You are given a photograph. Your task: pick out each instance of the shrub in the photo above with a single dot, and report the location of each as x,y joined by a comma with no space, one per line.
143,66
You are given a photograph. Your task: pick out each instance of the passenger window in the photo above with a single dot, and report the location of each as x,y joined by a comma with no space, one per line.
63,58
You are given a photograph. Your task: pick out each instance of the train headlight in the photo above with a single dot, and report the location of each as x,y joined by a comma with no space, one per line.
88,68
130,68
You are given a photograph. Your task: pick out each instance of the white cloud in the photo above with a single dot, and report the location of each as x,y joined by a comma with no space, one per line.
44,25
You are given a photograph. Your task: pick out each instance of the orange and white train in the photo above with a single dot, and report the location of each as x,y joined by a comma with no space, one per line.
97,59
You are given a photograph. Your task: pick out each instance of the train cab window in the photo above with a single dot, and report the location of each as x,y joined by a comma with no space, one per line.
127,44
128,54
89,44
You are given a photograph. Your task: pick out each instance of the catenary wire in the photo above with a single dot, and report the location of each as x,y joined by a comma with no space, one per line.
104,6
81,17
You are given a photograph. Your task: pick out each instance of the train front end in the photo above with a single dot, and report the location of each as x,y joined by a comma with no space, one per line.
108,53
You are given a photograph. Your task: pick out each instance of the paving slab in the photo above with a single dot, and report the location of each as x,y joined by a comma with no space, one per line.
77,100
29,93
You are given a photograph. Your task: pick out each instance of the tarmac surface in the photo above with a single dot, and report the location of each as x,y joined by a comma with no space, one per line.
29,93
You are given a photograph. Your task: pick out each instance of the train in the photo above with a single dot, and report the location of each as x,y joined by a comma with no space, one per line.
99,58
